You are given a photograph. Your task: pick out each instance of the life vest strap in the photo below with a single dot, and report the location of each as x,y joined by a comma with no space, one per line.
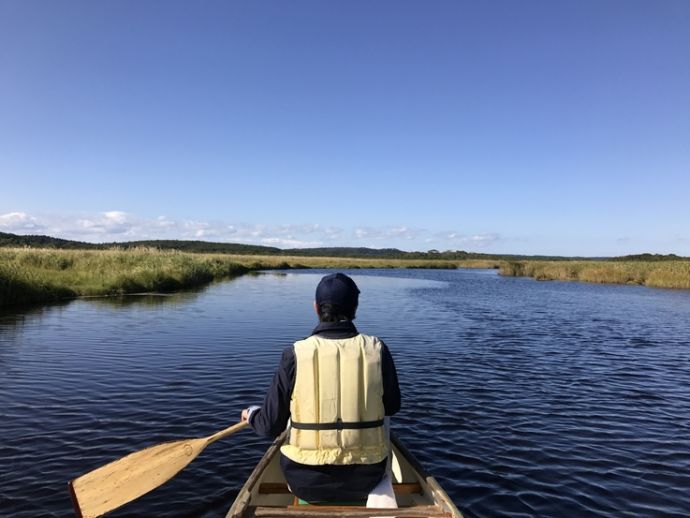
338,425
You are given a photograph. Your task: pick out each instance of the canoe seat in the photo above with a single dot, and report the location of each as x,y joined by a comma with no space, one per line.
420,511
280,488
357,503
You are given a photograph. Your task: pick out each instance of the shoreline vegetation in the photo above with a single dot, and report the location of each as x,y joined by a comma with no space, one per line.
33,275
39,275
654,274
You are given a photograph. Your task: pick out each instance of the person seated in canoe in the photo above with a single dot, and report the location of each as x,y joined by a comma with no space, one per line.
334,389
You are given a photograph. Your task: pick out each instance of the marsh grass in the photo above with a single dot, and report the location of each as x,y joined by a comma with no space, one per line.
37,275
657,274
29,275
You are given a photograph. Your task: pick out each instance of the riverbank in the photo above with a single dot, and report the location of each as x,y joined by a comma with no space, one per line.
30,275
656,274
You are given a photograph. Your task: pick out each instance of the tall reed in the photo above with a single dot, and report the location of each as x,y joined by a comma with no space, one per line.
658,274
30,275
33,275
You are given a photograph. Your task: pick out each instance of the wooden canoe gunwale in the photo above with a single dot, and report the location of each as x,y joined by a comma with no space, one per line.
437,491
241,503
426,511
442,507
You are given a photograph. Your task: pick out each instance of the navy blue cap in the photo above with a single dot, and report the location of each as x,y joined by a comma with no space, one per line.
338,289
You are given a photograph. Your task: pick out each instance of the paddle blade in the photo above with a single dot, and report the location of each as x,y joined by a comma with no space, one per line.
126,479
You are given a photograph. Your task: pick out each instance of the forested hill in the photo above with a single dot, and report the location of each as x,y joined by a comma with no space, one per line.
651,257
10,240
200,247
14,240
7,240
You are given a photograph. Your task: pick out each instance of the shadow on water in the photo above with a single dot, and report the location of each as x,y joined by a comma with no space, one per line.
16,315
271,273
149,299
13,318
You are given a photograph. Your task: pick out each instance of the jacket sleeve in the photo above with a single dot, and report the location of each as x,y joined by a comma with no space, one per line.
391,389
271,419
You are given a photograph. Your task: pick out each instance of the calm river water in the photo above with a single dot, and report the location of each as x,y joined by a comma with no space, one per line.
523,398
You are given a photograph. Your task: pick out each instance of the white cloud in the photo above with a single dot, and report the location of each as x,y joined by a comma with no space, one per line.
290,243
164,222
115,216
115,225
19,222
459,240
363,232
333,232
484,239
404,232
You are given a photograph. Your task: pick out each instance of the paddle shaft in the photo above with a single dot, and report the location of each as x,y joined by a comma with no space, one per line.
228,431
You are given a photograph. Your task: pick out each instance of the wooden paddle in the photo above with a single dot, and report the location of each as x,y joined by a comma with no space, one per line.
126,479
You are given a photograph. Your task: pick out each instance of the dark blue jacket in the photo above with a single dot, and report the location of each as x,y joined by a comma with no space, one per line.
330,482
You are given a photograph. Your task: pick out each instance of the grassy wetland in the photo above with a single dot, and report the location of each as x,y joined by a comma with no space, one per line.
34,275
30,275
656,274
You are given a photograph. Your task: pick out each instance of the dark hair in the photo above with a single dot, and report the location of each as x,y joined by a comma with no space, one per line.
335,313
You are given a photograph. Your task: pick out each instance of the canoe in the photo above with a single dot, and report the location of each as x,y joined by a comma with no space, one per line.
266,495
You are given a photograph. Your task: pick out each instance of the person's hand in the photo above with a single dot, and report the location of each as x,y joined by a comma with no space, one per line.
247,412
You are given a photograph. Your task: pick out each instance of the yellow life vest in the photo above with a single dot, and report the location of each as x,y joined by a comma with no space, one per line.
337,403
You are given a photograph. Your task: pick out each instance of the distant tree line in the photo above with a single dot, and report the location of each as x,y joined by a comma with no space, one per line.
651,257
13,240
37,241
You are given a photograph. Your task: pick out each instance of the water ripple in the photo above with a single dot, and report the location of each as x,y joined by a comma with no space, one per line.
535,399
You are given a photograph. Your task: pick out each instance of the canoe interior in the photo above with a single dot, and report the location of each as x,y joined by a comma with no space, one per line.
266,493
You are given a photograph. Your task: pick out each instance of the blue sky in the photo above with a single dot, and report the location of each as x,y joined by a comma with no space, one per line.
531,127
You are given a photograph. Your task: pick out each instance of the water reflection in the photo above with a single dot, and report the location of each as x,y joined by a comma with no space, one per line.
13,321
270,273
14,317
144,300
522,398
